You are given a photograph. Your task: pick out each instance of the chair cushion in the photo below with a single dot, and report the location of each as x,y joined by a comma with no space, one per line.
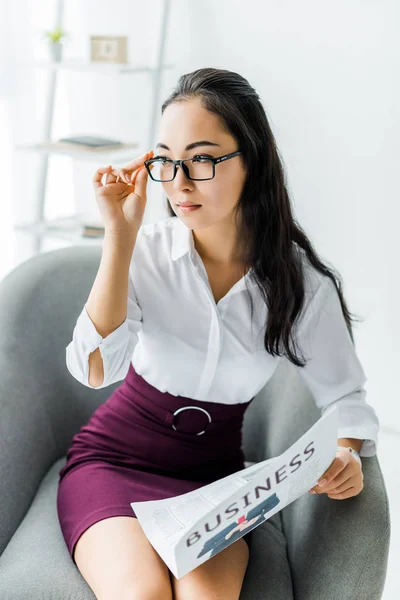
36,563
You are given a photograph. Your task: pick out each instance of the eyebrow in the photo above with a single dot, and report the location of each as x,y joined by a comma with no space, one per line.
191,146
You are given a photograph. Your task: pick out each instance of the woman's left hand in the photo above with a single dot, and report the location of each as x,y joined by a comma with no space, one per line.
344,477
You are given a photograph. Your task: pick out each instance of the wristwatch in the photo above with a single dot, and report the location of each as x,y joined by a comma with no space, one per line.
353,452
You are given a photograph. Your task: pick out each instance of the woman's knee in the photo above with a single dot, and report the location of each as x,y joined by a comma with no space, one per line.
117,561
150,592
221,576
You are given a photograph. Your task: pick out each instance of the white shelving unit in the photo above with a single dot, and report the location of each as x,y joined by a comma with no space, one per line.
70,228
64,228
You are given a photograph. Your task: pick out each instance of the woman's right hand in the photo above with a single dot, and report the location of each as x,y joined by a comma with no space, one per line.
122,198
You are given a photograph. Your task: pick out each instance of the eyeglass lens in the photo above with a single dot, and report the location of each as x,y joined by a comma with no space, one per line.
199,168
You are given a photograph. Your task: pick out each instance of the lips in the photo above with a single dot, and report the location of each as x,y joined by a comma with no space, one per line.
188,205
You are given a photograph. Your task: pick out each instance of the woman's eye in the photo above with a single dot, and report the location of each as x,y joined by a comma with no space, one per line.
201,156
197,157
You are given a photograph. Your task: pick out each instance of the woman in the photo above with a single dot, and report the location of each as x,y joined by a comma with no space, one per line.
177,310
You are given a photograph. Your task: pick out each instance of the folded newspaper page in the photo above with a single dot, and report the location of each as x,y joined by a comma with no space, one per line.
188,529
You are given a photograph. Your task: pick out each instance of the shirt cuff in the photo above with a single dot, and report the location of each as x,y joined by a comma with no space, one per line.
92,336
368,434
91,340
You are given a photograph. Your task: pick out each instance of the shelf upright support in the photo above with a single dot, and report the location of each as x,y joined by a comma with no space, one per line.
154,117
156,75
48,125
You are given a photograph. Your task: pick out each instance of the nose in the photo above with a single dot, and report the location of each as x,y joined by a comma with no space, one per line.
180,177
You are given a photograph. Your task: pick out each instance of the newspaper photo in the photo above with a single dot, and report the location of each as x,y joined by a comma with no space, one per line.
188,529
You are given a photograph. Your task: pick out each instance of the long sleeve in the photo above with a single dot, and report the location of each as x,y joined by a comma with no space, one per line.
116,349
333,372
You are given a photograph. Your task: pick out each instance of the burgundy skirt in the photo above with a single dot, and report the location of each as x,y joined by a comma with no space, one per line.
134,448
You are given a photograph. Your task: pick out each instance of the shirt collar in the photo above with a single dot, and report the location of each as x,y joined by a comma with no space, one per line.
182,239
183,242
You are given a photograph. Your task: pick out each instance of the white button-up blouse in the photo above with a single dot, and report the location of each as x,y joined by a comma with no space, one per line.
182,342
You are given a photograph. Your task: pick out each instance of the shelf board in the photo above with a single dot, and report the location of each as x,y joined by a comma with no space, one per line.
65,228
80,64
128,151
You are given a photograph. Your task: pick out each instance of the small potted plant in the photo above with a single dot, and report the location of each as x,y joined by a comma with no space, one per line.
55,38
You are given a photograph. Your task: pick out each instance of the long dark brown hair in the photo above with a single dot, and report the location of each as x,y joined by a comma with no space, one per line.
263,214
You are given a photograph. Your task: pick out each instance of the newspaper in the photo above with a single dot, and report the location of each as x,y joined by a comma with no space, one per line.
188,529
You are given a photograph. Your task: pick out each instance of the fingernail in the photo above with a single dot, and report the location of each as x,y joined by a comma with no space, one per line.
313,492
322,482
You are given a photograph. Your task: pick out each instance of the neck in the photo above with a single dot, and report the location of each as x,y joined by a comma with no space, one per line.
218,245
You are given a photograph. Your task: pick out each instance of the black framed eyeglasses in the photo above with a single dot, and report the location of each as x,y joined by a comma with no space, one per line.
198,168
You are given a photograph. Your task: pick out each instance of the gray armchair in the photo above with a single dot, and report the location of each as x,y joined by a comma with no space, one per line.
332,549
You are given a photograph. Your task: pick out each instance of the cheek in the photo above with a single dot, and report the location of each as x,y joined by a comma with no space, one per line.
227,191
232,181
217,197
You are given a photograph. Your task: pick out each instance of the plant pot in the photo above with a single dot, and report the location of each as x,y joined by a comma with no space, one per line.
55,49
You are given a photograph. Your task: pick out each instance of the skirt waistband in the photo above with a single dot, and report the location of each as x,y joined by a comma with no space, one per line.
183,414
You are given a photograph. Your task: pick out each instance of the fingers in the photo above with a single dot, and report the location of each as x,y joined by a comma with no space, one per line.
139,161
125,177
129,178
135,175
109,174
141,182
114,175
97,177
133,166
338,483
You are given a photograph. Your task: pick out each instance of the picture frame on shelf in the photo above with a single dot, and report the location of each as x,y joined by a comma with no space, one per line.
109,48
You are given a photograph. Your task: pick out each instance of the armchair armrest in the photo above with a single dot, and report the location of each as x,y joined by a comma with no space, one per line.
354,533
336,548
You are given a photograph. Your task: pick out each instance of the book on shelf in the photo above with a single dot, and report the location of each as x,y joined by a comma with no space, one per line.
93,231
189,529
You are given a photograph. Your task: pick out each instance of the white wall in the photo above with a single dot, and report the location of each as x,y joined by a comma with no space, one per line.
327,74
